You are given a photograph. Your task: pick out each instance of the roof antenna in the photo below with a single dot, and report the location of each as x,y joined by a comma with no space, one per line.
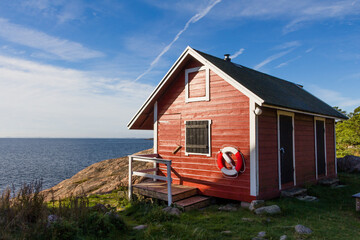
227,57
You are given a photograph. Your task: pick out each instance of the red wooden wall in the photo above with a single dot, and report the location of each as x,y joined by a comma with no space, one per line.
330,147
228,109
304,151
268,154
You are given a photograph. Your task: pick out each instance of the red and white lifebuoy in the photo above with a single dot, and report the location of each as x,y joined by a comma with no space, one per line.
224,155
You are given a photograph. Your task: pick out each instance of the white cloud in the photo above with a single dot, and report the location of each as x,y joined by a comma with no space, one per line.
287,62
309,50
297,12
272,58
46,101
61,48
335,98
292,44
241,50
202,13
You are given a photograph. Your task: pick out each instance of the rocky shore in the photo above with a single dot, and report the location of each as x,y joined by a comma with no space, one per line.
98,178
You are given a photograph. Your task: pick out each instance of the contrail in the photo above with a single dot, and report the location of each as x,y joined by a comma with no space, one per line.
241,50
194,19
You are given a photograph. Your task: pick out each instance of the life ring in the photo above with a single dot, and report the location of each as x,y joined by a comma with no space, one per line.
224,155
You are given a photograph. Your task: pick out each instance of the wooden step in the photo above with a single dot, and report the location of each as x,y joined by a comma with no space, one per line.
194,202
158,190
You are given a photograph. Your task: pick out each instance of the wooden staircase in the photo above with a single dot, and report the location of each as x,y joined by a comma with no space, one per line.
184,197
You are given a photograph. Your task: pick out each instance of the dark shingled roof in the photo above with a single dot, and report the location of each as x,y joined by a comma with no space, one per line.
274,91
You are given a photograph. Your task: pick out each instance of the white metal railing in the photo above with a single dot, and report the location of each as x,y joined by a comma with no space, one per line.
144,173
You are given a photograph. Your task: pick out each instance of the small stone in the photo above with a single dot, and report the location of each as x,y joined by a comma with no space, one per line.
262,234
293,192
329,182
52,219
172,211
258,238
140,227
226,232
247,219
301,229
228,207
283,237
307,198
256,204
245,205
340,186
273,209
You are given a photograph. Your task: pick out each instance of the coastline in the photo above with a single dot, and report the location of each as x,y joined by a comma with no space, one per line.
98,178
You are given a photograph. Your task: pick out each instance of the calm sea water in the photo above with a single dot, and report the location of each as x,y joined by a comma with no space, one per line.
23,160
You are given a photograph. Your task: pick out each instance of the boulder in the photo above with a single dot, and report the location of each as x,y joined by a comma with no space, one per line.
256,204
273,209
172,211
301,229
349,164
99,178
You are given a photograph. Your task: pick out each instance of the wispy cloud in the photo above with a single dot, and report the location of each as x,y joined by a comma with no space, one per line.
43,100
241,50
287,62
297,13
194,19
272,58
335,98
287,45
61,48
309,50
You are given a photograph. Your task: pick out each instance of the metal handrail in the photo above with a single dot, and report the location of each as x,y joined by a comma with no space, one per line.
154,176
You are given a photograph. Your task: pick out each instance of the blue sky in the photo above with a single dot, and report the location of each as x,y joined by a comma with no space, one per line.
83,68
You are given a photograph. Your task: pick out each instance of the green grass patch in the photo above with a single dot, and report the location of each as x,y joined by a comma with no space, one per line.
333,216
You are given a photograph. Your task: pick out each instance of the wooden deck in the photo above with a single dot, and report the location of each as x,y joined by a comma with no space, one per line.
158,190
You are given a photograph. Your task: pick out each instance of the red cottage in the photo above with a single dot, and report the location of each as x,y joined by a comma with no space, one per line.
273,134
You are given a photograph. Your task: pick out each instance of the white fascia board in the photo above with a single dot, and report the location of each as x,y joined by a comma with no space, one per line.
219,72
159,86
227,78
299,111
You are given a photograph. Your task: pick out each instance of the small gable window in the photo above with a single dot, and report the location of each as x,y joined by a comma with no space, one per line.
197,84
197,137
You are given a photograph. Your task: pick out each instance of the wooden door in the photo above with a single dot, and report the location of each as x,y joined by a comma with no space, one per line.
320,147
286,149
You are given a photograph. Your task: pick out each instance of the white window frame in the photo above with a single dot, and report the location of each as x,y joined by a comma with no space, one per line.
209,139
316,160
207,84
292,115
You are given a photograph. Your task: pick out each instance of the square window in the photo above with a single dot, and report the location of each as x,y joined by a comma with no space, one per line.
197,137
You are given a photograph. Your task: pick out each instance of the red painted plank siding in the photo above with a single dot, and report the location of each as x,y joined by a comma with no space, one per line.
304,149
228,109
268,154
330,148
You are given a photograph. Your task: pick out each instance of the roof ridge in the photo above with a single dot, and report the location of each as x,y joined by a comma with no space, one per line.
251,69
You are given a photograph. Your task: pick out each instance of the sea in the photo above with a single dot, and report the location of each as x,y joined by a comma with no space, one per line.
52,160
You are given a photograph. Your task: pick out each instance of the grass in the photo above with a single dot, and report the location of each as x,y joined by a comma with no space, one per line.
332,217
